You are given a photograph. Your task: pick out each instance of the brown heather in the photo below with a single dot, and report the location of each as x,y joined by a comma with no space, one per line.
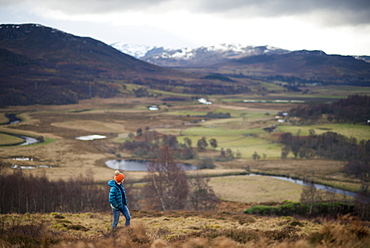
180,229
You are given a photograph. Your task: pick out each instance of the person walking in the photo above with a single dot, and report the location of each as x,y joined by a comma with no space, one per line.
118,199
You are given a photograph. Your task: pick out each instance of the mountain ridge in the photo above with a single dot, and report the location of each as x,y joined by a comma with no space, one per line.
42,65
263,62
189,57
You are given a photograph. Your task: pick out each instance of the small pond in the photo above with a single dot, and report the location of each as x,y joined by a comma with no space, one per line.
136,165
91,137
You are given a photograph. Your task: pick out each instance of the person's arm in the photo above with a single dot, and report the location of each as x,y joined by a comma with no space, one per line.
112,198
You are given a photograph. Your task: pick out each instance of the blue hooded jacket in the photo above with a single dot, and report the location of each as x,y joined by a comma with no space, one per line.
117,195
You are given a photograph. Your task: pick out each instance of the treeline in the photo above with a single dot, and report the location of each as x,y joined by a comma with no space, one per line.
29,194
355,108
53,91
147,144
196,87
329,145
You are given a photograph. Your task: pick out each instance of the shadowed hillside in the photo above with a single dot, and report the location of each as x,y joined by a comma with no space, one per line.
305,66
42,65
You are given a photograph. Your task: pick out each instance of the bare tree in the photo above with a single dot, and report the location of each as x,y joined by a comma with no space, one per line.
167,187
310,195
201,196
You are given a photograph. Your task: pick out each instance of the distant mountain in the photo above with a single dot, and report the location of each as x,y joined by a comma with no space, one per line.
299,67
195,57
43,65
136,50
262,63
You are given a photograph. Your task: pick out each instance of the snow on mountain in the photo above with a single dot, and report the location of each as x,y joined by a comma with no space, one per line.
135,50
194,56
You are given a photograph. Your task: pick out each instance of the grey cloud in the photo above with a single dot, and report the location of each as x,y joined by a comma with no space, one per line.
351,11
330,12
86,6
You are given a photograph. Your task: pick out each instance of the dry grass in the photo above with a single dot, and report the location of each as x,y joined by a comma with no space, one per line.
3,119
256,189
180,229
9,139
91,126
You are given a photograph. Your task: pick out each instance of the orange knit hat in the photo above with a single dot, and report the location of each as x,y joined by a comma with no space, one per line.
118,176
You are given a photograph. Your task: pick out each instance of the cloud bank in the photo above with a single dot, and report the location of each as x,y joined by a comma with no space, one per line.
328,12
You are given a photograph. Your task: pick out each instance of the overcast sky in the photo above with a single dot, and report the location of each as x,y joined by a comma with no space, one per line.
334,26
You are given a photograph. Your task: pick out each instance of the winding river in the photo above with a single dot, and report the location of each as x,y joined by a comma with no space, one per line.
13,119
315,185
141,165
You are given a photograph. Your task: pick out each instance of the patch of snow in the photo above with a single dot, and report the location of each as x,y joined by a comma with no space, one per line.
91,137
204,101
23,159
23,167
153,107
135,50
44,166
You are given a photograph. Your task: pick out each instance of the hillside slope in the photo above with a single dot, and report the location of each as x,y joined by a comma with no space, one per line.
47,66
304,66
259,62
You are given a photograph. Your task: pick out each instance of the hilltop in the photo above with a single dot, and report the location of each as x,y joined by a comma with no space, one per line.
43,65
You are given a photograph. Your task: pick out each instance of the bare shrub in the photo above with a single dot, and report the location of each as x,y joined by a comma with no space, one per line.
347,232
167,187
201,195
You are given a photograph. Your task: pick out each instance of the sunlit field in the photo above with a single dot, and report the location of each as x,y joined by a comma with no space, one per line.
358,131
